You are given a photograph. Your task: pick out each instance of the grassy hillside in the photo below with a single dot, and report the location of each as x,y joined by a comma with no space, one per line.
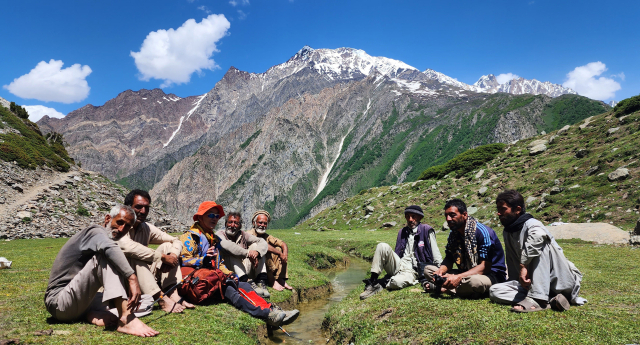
567,182
22,141
426,136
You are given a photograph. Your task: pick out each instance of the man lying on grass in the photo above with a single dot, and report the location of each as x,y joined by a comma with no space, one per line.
539,274
201,249
476,251
277,254
415,247
91,260
152,266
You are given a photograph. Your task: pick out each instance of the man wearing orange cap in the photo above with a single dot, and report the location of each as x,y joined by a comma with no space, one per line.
200,249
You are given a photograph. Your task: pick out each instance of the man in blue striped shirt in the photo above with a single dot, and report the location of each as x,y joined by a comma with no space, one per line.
476,251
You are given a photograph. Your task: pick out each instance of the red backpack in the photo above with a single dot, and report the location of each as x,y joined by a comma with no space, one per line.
201,284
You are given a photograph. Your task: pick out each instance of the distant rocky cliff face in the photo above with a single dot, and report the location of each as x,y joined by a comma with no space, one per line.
133,131
304,134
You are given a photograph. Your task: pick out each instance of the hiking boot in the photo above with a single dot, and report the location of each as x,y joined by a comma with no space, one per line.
275,317
290,315
371,290
259,290
265,292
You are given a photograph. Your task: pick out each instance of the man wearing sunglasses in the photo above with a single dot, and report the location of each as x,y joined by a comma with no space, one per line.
160,266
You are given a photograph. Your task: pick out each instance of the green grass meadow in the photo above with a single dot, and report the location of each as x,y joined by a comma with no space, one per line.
407,316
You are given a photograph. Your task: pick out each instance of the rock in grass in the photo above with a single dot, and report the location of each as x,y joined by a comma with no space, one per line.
531,199
581,153
538,149
369,209
618,174
592,170
563,130
480,173
482,191
472,210
18,187
537,143
612,130
389,224
556,190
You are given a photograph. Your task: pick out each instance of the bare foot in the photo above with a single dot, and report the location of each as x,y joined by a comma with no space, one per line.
102,318
176,298
168,305
287,286
132,325
277,286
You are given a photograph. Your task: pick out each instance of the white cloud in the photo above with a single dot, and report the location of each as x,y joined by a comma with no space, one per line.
49,82
239,2
583,80
204,8
506,77
241,15
36,112
620,75
173,55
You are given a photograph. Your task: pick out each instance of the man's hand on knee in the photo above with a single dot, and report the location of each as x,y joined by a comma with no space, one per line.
170,260
254,257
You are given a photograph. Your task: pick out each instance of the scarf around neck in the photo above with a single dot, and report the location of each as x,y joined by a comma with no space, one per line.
518,223
456,245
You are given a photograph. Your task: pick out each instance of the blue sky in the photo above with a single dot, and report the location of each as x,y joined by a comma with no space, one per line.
66,54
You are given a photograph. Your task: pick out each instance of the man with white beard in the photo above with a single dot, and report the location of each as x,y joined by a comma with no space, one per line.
244,253
278,252
91,260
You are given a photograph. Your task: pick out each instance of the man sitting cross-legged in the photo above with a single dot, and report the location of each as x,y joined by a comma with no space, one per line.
540,276
244,253
91,260
152,266
415,247
201,249
475,249
278,252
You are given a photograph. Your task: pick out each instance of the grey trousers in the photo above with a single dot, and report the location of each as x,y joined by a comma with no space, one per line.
75,299
149,274
474,286
402,272
545,284
242,265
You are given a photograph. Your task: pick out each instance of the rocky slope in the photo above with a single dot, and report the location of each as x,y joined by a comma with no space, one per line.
303,135
44,203
587,172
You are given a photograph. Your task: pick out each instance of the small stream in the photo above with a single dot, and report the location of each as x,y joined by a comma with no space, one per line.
308,327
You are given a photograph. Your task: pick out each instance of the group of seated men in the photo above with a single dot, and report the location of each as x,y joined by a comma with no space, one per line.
103,272
533,276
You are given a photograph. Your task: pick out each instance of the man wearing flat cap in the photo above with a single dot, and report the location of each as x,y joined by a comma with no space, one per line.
415,247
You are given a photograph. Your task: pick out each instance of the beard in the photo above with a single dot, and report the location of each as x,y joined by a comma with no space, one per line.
456,225
507,220
231,232
261,230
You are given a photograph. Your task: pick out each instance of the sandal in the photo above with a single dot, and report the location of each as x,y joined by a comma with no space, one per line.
529,305
429,287
560,303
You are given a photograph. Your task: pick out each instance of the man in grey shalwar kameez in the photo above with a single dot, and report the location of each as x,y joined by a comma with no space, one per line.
539,274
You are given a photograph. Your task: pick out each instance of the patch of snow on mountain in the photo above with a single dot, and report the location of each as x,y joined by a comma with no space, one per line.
414,87
445,79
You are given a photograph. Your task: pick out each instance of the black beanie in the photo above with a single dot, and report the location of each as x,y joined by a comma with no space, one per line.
414,209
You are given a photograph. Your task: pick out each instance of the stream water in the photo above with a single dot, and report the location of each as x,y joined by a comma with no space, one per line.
308,327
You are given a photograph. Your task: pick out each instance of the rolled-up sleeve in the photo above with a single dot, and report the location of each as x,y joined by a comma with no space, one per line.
536,239
158,236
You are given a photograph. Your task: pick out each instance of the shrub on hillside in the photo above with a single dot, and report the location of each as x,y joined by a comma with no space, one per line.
627,106
18,110
464,162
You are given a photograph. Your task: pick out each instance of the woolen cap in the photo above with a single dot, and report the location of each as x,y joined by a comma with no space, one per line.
414,209
206,206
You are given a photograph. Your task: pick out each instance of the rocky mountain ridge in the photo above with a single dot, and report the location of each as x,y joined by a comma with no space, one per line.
302,135
520,86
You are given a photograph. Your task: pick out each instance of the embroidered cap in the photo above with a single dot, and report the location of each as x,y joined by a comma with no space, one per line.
414,209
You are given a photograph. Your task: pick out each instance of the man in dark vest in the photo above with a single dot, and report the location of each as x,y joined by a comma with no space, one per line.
416,247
